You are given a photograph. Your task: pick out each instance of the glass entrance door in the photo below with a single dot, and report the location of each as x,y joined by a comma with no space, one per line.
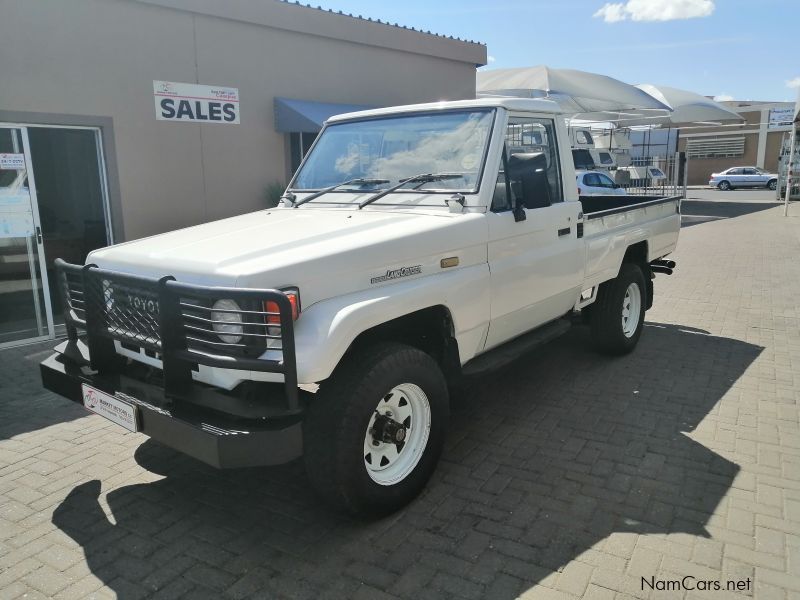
25,306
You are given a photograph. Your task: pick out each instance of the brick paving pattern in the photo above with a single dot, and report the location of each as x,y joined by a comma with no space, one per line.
567,475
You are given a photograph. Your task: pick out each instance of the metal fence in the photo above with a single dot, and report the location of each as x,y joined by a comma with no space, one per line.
655,175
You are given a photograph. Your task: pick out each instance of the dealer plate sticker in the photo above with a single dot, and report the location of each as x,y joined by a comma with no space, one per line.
113,409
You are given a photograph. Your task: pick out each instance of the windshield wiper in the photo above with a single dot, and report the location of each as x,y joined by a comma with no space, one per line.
422,179
358,181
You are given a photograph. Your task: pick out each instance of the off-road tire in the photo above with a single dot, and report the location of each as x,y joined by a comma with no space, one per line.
338,418
606,314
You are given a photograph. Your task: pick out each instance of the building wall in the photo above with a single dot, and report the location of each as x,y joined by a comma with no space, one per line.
98,58
700,169
761,147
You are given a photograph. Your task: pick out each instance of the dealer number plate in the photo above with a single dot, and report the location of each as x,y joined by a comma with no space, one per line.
110,407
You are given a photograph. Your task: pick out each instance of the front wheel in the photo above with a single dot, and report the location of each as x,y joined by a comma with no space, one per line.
773,184
617,315
374,433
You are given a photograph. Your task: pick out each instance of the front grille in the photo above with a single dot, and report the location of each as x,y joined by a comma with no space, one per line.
180,323
130,312
127,310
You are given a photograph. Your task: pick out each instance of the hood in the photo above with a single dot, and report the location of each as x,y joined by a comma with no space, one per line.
323,251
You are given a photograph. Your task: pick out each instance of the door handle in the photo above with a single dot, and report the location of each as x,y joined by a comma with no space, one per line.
38,235
564,231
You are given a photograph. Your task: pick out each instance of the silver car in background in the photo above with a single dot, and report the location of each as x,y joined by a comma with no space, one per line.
741,177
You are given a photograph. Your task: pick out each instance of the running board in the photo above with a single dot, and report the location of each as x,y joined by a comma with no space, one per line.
511,351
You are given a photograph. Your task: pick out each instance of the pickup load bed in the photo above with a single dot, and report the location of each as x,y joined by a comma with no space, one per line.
415,246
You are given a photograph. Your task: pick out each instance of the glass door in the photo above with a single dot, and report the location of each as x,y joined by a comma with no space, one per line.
25,307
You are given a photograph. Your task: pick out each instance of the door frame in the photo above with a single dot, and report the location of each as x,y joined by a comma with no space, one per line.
104,193
37,224
101,163
110,173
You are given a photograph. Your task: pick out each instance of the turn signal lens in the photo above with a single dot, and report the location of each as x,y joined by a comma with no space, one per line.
274,318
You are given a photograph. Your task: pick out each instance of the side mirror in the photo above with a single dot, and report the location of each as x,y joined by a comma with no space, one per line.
617,186
530,171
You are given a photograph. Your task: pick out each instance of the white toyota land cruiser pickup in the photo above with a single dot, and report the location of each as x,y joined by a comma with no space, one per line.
416,245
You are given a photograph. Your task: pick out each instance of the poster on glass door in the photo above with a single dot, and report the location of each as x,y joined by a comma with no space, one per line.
16,214
11,161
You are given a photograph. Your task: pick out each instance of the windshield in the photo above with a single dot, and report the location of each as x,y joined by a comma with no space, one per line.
393,148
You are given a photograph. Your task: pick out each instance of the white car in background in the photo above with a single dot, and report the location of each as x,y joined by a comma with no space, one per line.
597,183
740,177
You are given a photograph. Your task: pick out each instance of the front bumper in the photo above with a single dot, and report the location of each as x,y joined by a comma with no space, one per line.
103,308
222,441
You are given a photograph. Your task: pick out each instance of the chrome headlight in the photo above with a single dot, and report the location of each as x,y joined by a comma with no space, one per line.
227,321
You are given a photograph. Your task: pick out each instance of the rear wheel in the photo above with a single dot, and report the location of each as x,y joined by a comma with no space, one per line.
773,184
617,315
724,185
374,434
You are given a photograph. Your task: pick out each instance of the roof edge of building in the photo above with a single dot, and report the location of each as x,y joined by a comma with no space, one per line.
285,14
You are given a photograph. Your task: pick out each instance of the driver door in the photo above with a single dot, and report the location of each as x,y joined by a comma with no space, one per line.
536,264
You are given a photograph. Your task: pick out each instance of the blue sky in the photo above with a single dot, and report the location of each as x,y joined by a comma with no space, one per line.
736,50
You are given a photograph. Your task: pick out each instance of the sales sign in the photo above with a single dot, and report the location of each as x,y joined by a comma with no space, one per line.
780,117
12,162
195,103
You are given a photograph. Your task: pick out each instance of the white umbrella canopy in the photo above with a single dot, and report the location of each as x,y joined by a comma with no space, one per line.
687,108
577,92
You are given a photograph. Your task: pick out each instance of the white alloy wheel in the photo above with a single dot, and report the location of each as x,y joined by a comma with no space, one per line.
397,434
631,309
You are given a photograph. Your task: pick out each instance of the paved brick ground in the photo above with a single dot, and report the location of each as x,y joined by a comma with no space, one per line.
567,475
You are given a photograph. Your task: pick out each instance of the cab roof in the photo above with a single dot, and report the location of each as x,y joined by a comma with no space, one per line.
539,105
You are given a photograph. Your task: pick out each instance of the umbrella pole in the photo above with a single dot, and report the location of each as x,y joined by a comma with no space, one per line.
789,166
666,161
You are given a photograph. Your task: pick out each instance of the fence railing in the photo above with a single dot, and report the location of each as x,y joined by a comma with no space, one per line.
655,175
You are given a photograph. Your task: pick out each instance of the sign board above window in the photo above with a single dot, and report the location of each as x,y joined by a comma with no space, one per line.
780,117
195,103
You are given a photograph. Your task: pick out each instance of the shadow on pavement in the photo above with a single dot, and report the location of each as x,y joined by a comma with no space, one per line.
694,212
545,460
24,405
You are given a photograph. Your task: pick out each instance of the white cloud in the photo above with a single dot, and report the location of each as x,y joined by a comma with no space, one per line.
490,59
723,97
612,13
793,83
655,10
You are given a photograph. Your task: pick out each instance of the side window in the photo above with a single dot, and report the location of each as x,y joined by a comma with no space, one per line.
583,137
531,142
503,194
750,172
591,179
605,181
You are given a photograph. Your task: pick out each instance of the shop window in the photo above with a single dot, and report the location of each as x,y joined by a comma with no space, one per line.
299,145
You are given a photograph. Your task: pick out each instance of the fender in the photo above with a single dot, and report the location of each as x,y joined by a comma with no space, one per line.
326,329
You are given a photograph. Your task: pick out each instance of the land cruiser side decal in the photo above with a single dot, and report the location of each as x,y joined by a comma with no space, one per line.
397,273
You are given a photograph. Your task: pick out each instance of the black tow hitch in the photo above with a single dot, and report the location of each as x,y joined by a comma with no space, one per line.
387,430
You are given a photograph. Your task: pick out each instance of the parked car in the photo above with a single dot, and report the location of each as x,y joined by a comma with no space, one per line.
417,265
742,177
597,183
